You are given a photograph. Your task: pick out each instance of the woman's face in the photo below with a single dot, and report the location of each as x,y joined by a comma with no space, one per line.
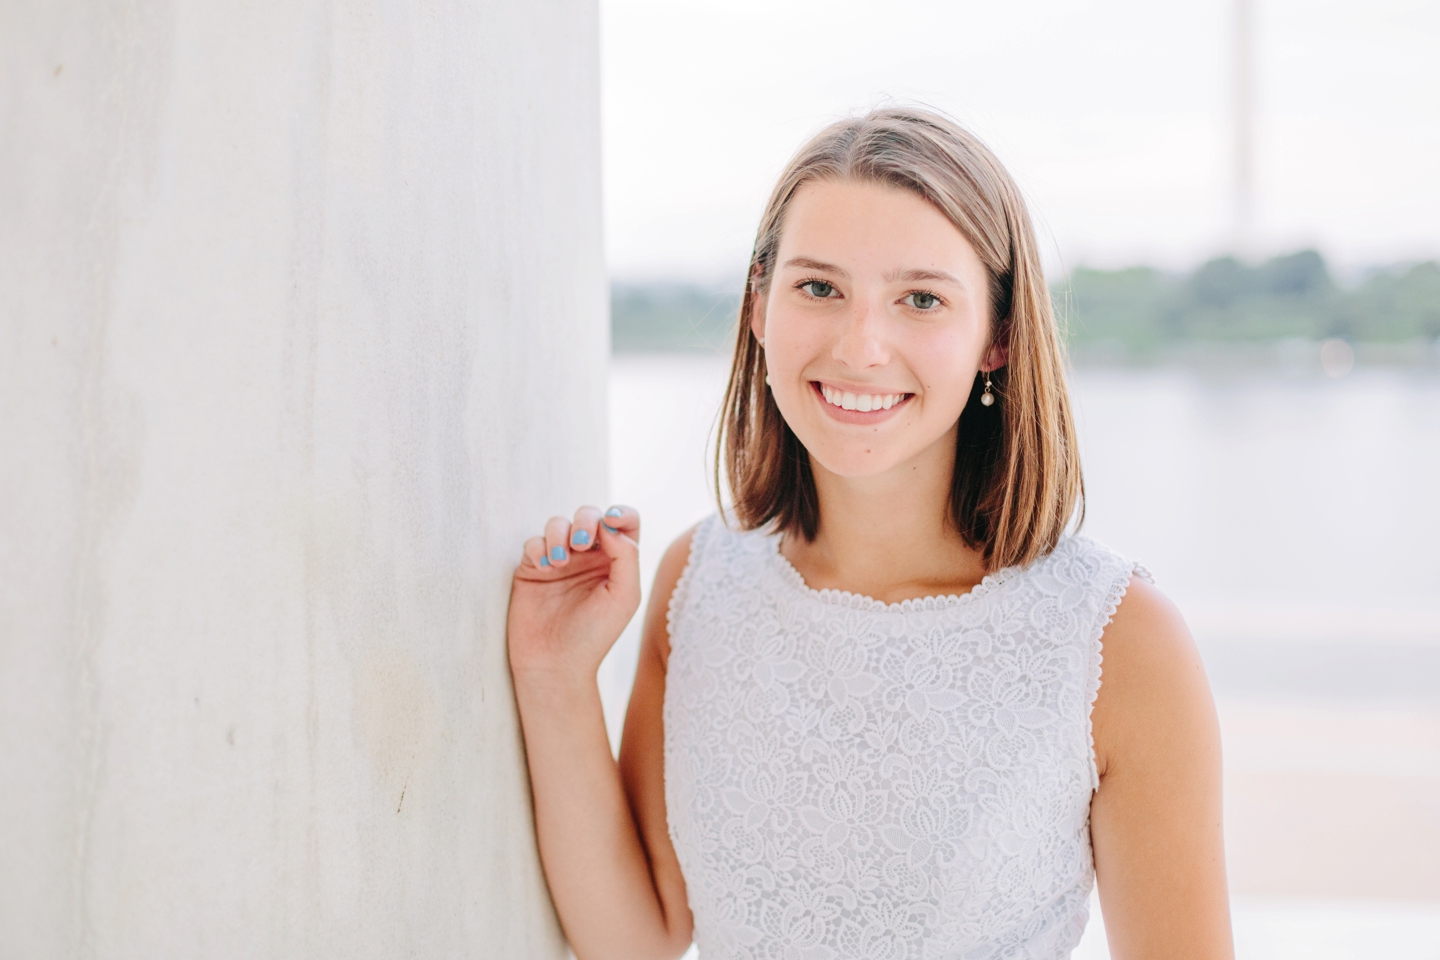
875,323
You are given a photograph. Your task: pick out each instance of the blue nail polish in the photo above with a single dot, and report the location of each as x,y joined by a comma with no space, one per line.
557,554
614,512
608,527
544,562
580,537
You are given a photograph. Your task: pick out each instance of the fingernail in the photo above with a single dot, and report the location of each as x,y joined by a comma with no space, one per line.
544,562
580,537
608,527
557,554
614,512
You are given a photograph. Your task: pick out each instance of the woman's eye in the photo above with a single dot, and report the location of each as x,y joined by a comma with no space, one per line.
921,300
818,288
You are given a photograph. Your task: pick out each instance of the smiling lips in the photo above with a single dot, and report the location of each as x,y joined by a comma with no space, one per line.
861,402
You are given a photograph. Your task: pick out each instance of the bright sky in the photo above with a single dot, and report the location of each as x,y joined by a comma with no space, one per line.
1113,115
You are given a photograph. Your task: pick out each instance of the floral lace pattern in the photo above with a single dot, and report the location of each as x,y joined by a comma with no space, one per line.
851,779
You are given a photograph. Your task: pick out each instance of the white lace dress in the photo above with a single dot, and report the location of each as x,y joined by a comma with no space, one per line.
851,779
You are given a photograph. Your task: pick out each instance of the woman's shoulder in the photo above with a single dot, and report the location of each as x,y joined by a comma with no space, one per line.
1147,677
1147,632
1152,678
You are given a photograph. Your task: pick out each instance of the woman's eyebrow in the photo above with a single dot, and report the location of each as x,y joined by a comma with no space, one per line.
809,264
894,276
914,276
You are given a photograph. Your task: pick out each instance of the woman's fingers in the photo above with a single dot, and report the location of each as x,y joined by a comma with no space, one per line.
583,530
534,553
623,520
620,546
557,540
563,537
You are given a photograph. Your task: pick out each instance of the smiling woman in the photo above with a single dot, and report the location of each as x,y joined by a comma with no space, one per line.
965,290
868,719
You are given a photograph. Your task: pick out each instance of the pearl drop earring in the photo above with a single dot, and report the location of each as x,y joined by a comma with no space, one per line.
987,398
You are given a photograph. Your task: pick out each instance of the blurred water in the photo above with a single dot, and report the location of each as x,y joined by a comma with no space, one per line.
1295,519
1274,510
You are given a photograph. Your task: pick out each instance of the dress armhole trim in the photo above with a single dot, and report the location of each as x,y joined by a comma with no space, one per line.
674,608
1113,597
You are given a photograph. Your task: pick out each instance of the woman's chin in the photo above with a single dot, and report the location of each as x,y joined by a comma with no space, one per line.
858,463
858,458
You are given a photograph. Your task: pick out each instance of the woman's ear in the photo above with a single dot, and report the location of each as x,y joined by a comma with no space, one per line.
996,356
757,313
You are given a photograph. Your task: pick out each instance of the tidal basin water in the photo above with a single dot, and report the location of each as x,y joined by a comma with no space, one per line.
1295,519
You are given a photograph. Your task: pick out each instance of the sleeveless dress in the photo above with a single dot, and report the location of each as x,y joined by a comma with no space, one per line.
852,780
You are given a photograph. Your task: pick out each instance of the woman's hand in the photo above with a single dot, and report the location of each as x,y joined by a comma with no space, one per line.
574,591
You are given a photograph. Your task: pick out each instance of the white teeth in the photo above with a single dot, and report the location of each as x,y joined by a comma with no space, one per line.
863,402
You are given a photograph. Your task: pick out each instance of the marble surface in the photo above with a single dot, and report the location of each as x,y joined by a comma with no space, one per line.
302,330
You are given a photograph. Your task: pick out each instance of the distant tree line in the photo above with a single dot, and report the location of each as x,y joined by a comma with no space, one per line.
1227,300
1224,300
672,316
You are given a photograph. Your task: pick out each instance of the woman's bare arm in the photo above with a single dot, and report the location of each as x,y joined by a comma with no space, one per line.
1156,820
642,748
607,856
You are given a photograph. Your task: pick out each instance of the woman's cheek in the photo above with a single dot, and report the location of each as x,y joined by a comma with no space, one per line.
787,387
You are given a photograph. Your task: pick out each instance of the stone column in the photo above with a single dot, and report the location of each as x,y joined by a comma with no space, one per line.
302,330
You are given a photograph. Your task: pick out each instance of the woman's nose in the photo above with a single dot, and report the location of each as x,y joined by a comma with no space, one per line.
861,343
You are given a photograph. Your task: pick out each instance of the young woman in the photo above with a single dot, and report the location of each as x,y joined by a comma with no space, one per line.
869,718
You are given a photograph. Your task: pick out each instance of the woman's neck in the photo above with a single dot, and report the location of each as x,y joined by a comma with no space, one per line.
888,536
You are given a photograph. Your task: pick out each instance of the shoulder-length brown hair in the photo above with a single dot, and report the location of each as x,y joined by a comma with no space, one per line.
1017,479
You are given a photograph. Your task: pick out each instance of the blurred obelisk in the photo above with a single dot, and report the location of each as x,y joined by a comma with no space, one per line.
1243,129
302,330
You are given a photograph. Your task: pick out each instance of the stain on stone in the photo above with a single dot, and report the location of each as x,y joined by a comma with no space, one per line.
397,716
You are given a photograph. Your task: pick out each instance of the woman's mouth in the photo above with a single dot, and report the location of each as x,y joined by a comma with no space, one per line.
846,403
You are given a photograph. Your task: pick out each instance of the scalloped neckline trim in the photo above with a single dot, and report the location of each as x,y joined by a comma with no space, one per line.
860,601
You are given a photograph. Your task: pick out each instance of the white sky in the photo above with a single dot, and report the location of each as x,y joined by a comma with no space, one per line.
1113,115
